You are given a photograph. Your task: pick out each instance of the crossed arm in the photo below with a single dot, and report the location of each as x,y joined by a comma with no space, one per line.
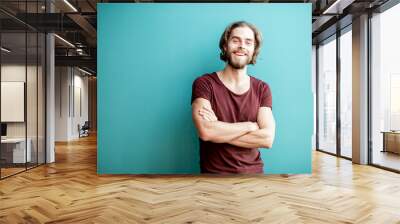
258,134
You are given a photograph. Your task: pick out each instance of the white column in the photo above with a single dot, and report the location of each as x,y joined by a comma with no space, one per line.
50,99
50,110
360,90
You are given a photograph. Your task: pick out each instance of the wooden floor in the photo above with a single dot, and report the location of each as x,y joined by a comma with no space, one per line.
70,191
5,172
9,171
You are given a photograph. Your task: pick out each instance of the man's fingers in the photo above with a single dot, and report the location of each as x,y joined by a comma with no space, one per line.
209,110
207,115
208,118
203,113
206,112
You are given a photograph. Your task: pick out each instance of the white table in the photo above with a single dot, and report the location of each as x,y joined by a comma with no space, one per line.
19,149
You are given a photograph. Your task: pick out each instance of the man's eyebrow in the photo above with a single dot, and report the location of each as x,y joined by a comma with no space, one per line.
252,39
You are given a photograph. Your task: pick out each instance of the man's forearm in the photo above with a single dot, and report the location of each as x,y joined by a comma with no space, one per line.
223,132
256,139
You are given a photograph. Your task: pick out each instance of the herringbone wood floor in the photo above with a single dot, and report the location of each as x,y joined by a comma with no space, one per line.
70,191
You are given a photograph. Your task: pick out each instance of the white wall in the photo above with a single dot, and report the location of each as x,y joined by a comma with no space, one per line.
62,81
80,105
71,93
15,72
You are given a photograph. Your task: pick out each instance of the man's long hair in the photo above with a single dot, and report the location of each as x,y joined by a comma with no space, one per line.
227,33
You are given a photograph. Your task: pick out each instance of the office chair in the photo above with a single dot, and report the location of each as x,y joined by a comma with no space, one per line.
84,130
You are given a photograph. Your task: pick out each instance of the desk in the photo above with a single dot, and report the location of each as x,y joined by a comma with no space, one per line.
391,141
16,147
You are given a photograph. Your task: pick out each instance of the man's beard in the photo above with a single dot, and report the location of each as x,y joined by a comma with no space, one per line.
237,64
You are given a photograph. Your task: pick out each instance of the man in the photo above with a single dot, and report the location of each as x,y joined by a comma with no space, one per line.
231,109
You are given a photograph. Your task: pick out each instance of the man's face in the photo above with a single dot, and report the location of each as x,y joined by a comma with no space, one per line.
240,47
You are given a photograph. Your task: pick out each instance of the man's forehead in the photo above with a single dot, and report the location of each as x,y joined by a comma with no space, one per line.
243,31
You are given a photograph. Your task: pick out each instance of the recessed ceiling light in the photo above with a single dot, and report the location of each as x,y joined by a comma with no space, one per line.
337,7
5,49
70,5
84,71
64,40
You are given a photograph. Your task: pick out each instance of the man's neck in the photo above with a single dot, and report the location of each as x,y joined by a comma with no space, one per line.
234,76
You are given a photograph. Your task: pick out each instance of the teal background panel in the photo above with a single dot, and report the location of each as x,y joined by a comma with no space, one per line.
148,58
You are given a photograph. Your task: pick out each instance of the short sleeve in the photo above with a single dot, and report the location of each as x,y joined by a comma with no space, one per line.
201,88
266,96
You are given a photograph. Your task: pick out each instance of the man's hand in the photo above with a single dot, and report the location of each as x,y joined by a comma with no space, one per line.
262,138
207,114
254,126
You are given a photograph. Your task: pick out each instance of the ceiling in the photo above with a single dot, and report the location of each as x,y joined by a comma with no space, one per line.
76,22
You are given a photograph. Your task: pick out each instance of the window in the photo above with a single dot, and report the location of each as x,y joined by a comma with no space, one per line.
327,96
385,88
346,75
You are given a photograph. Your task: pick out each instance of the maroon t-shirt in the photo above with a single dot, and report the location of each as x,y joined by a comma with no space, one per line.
230,107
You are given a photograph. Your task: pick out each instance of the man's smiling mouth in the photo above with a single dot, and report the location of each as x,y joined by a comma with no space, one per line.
240,54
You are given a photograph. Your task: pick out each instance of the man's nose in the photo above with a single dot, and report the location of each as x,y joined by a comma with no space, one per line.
241,44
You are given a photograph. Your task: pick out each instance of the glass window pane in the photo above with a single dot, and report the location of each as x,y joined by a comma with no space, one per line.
13,86
22,88
386,89
327,96
31,101
346,93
